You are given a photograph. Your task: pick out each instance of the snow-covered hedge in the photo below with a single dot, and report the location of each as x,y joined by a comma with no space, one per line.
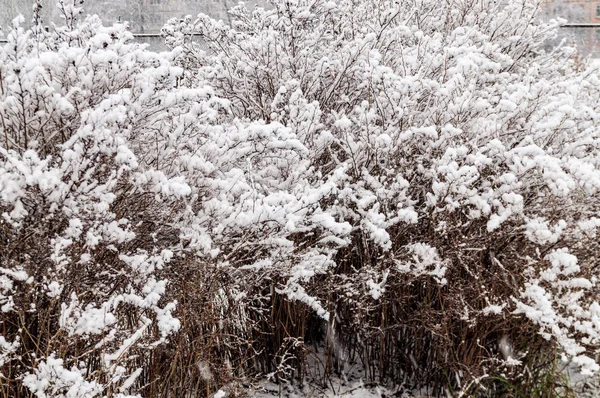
421,178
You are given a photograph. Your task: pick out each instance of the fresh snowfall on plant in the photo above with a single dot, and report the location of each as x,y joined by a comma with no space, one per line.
409,190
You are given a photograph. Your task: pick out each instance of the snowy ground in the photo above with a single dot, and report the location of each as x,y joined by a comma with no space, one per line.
358,390
584,387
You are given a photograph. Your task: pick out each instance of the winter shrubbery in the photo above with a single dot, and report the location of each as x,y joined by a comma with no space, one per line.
406,187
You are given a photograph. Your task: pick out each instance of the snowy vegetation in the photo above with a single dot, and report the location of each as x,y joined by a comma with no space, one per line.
410,188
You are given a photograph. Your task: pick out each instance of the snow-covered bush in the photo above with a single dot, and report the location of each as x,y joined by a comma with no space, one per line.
412,184
86,224
450,185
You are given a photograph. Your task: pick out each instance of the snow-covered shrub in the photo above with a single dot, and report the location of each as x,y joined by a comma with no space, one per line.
86,224
412,184
126,196
446,192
